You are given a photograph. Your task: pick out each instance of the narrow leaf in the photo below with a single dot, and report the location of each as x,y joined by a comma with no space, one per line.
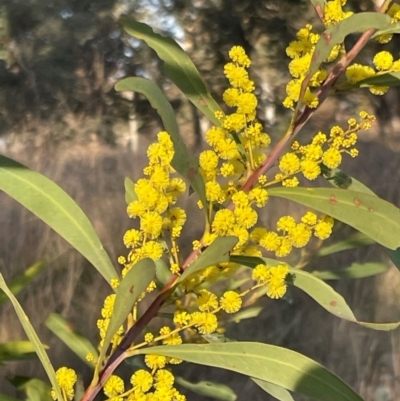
246,313
20,282
132,285
383,79
35,389
17,350
355,270
352,241
364,240
321,292
178,67
57,209
392,28
330,300
375,217
182,162
277,365
79,344
355,185
276,391
34,339
130,194
214,390
318,3
394,256
4,397
217,252
163,273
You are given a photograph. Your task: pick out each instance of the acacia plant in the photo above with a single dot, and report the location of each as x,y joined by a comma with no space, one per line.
237,260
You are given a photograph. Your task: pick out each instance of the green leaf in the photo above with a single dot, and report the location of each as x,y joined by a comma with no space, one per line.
321,292
246,313
276,391
355,270
354,185
34,339
394,256
20,282
318,3
163,273
214,390
359,239
17,351
252,261
130,194
57,209
35,389
4,397
383,79
393,28
178,67
352,241
330,300
182,162
242,260
80,345
217,252
336,34
132,285
277,365
375,217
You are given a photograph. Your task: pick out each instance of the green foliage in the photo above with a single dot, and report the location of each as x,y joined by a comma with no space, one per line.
57,209
278,392
217,252
177,67
368,214
186,286
355,270
216,391
35,389
131,287
352,241
270,363
34,339
20,282
17,350
78,344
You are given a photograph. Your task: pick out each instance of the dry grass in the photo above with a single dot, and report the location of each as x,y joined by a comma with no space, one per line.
93,175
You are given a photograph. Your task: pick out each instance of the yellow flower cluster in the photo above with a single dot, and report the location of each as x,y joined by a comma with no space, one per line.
394,13
333,12
324,150
238,142
383,62
291,235
157,385
66,379
241,218
273,277
155,197
102,324
301,52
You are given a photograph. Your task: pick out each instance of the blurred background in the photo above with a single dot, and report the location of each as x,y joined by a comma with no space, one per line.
59,115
